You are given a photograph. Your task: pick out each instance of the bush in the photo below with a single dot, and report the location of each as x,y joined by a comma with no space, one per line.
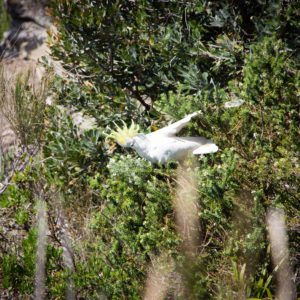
155,61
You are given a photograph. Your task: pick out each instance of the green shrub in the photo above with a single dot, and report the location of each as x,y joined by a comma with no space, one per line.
177,58
4,21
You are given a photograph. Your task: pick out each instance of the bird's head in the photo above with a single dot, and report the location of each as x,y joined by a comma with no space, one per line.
124,136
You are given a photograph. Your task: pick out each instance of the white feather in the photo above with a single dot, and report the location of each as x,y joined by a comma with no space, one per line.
208,148
163,145
174,128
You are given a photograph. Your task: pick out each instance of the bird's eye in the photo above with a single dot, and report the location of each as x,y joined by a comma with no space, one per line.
129,143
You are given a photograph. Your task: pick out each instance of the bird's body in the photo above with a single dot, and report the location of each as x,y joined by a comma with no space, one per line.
162,149
163,145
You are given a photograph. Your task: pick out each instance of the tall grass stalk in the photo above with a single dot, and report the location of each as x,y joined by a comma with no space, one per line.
278,237
67,254
159,279
187,210
40,273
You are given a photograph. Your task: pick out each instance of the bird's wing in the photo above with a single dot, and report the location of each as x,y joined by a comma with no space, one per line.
174,128
199,145
206,148
177,148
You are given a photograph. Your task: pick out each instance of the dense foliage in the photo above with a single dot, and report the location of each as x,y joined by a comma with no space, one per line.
4,19
152,61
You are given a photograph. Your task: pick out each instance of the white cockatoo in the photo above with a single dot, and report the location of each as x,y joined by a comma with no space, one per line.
163,145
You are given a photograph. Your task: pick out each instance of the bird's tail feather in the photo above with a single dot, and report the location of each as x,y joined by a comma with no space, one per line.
206,148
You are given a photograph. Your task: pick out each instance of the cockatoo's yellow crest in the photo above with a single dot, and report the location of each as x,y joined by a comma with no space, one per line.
122,134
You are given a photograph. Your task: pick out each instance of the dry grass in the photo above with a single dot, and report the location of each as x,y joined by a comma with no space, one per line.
159,278
187,210
22,117
22,106
278,237
163,279
40,273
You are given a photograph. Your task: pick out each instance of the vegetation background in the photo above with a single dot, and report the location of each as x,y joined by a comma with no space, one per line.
151,62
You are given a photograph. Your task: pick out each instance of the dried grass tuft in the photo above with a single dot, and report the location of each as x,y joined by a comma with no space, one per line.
275,219
187,210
